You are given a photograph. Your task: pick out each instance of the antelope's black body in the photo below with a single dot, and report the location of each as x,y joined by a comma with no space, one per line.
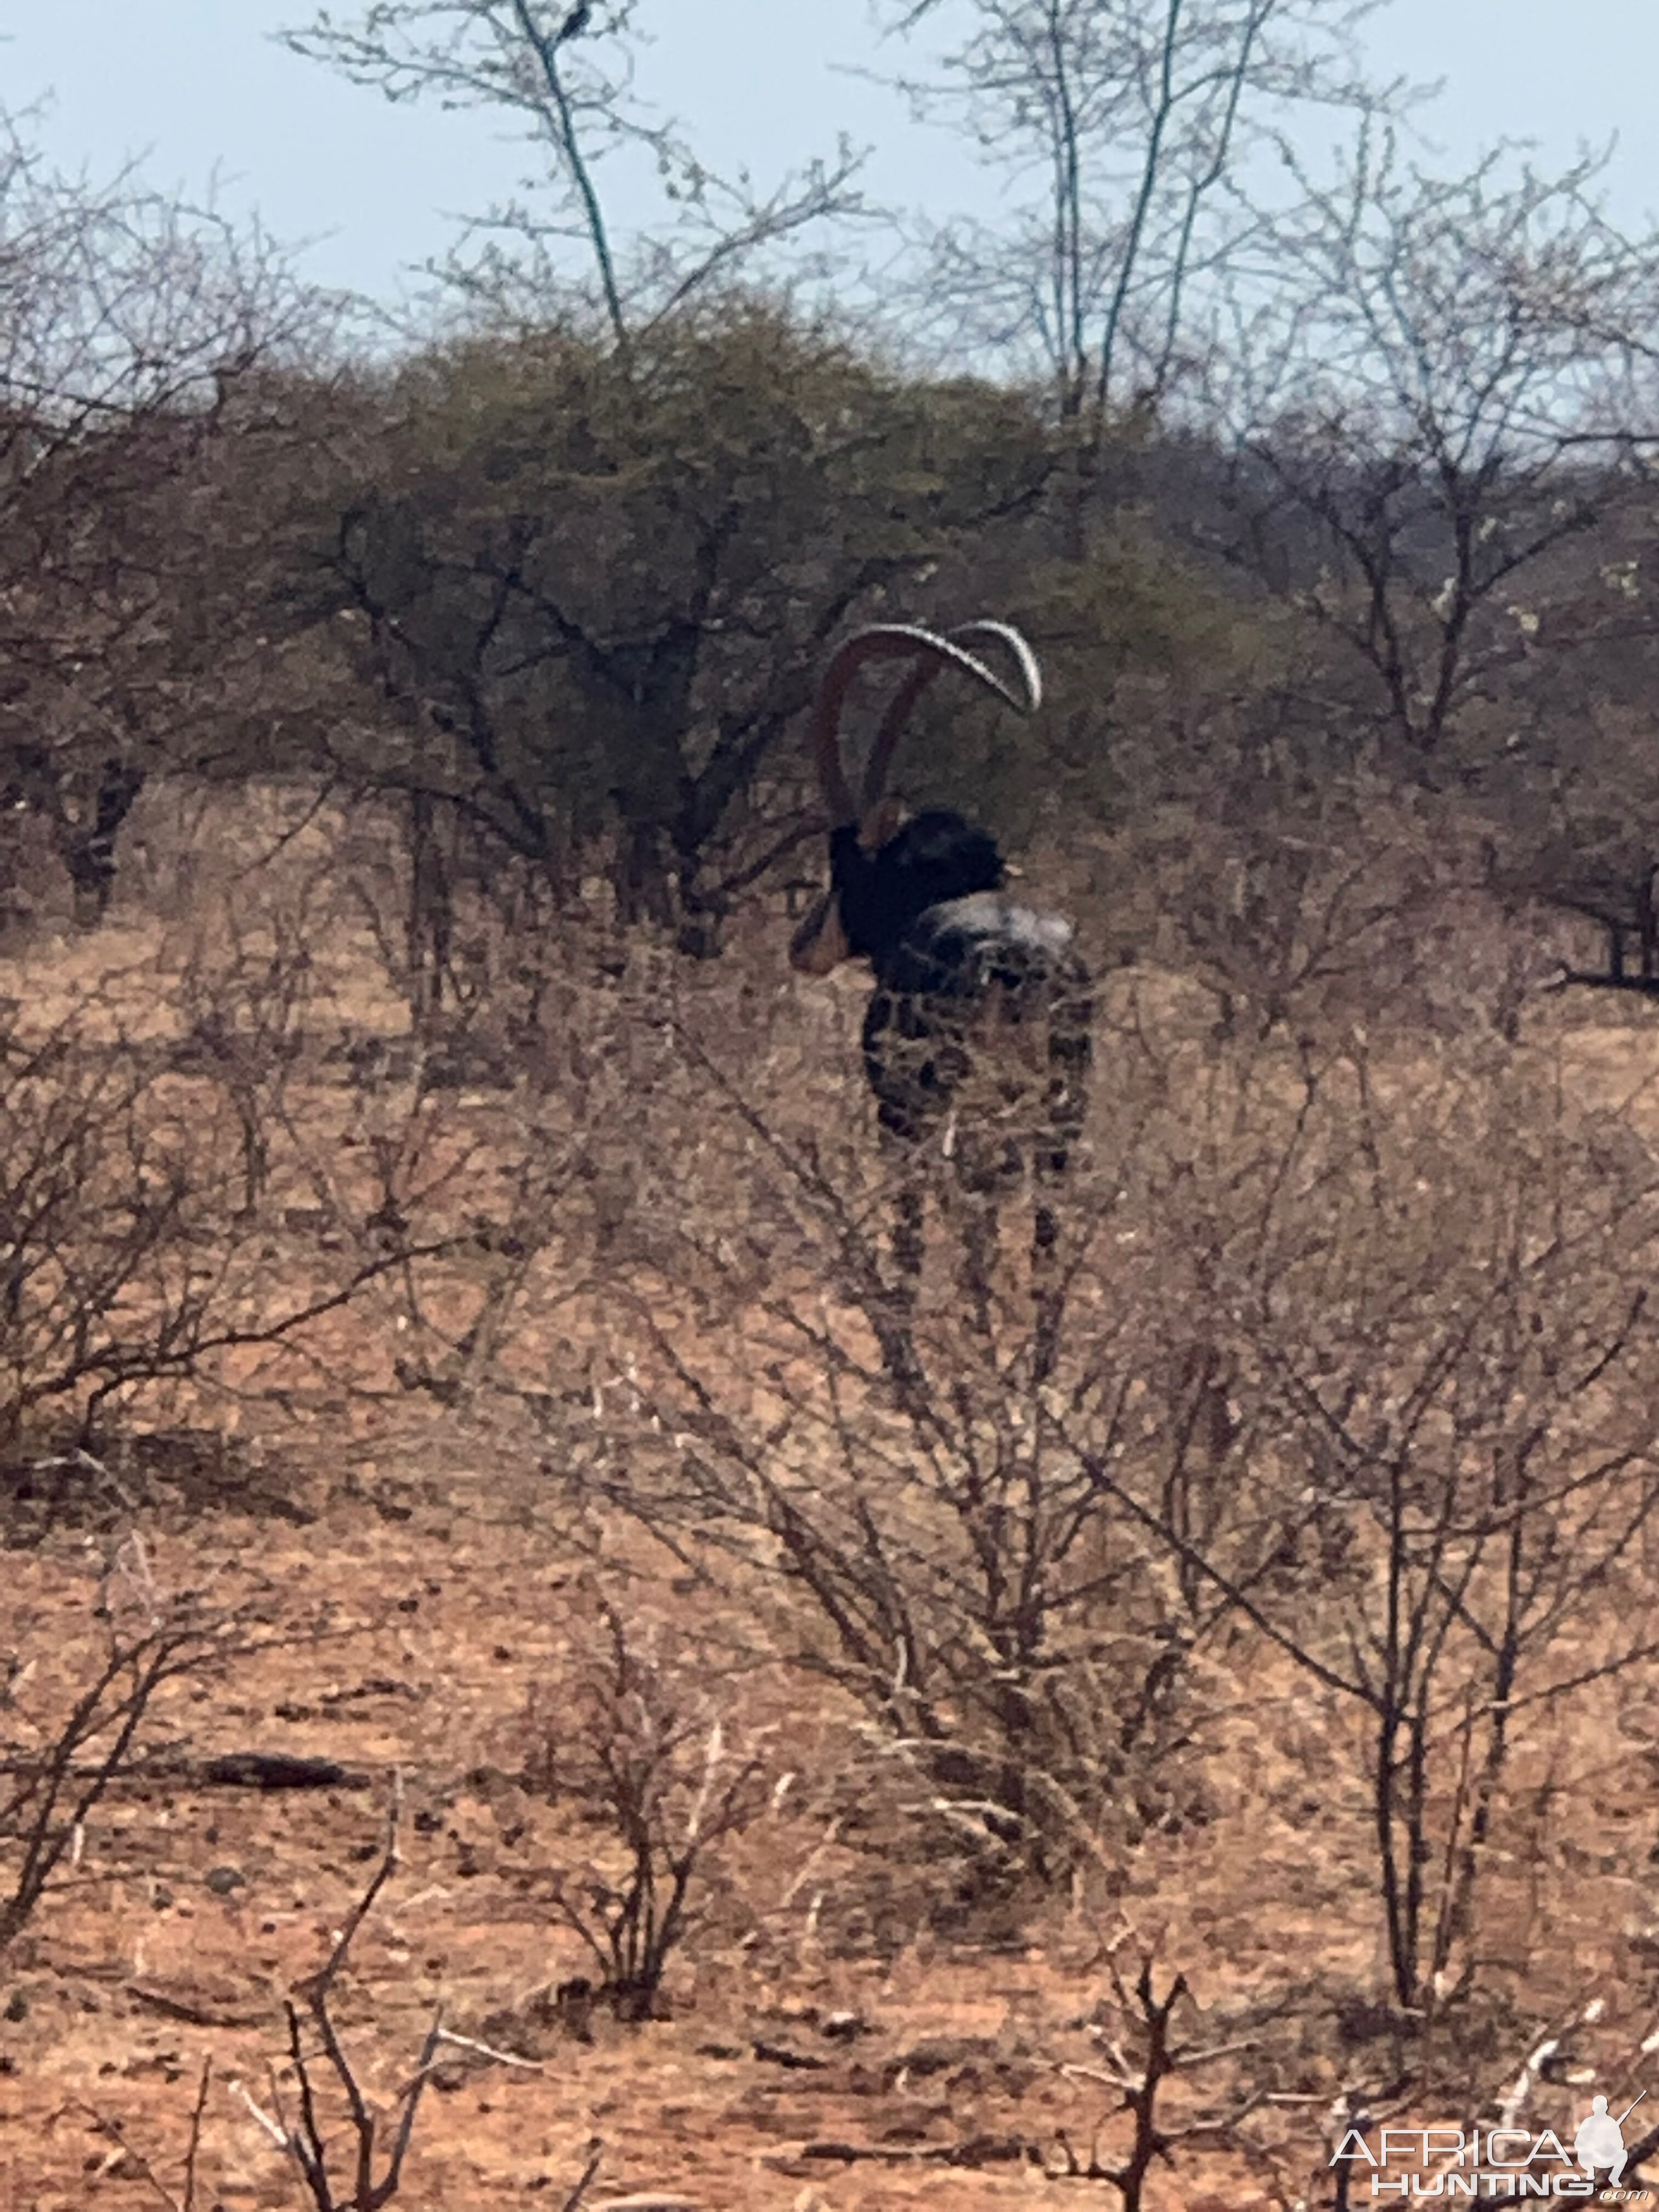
931,859
977,1038
982,969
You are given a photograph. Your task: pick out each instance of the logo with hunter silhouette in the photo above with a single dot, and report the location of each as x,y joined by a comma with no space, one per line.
1600,2138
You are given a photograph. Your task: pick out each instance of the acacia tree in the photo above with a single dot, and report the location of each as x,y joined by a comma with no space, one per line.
565,74
593,592
531,695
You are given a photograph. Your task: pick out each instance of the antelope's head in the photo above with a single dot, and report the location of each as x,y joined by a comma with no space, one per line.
884,871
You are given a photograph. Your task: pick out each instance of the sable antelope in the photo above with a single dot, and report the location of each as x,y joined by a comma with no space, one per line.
978,1031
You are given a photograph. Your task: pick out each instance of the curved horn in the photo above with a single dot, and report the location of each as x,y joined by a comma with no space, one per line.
1018,646
903,704
905,641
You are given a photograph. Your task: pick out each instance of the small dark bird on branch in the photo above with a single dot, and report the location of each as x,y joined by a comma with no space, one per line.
574,23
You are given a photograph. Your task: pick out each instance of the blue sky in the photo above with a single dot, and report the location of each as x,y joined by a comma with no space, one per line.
197,85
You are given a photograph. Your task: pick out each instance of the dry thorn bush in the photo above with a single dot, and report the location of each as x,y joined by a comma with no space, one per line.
317,2094
151,1150
1353,1414
84,1704
659,1770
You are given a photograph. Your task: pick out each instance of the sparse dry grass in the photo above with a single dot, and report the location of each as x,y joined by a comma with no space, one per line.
631,1321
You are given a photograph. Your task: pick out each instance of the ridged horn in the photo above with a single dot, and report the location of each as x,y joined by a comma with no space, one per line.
902,703
903,641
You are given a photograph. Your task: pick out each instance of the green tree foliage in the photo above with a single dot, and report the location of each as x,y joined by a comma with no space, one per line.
595,592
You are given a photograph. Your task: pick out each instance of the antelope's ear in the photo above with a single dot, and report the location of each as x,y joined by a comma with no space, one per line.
880,823
820,942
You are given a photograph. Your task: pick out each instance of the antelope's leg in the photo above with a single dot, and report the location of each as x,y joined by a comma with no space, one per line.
979,1186
909,1218
894,1313
893,1320
972,1143
898,1067
1047,1296
1071,1050
903,1130
979,1254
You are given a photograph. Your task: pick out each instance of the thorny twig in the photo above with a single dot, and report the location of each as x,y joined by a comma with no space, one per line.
1138,2081
129,2152
304,2142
